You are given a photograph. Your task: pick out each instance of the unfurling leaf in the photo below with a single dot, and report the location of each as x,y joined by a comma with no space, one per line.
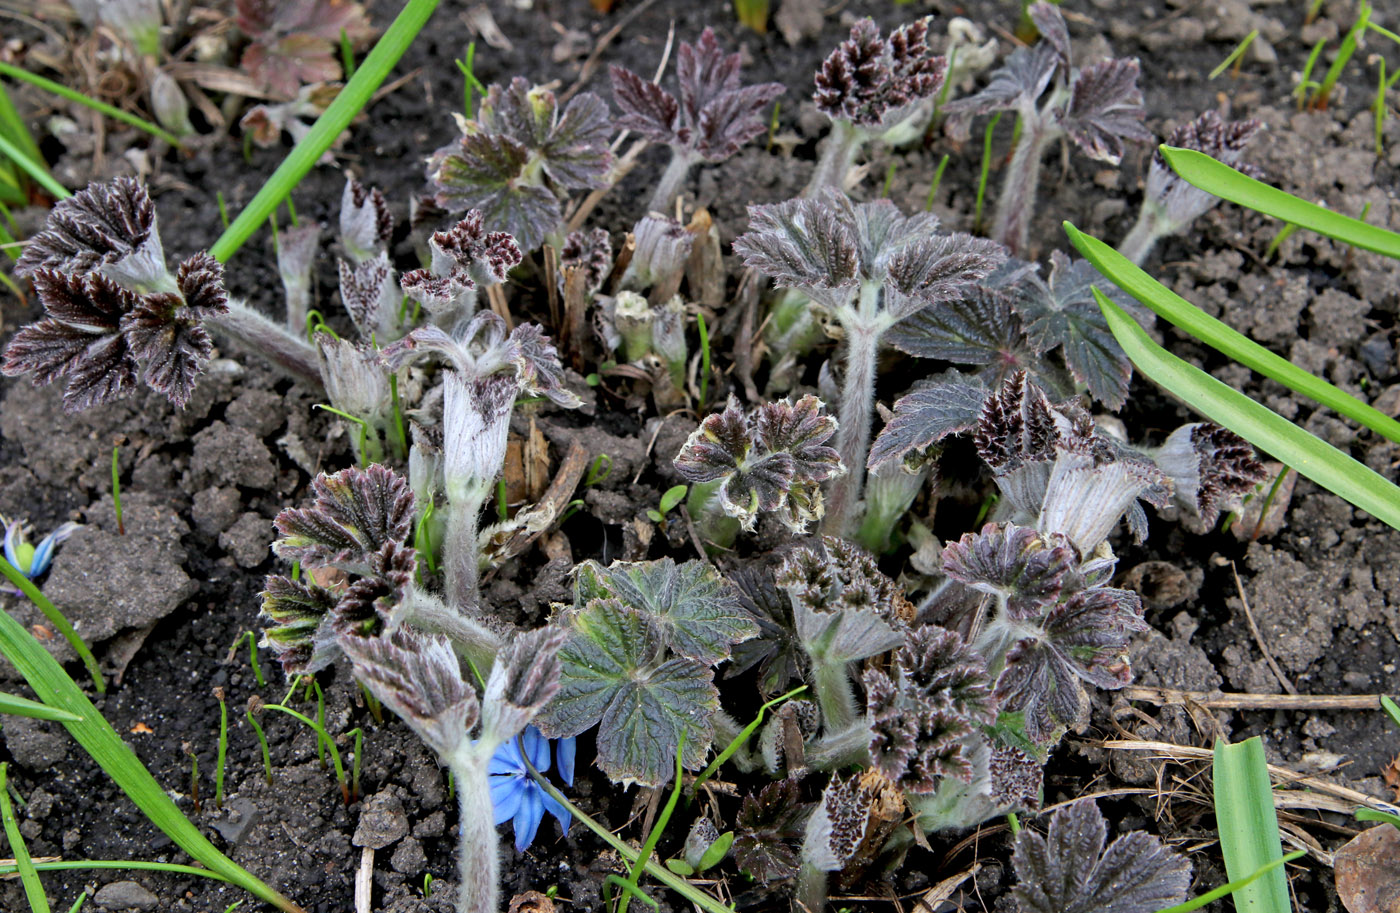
934,409
714,116
355,513
1069,871
768,827
1017,564
420,679
524,678
853,818
1224,141
1211,469
1105,108
99,226
845,609
366,225
875,82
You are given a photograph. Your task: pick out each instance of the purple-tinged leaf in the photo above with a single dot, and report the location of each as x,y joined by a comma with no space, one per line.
851,814
927,414
704,72
366,225
1084,638
106,371
298,611
435,293
1105,108
873,82
1211,469
1092,485
767,828
775,650
355,378
367,291
355,513
420,679
295,42
1027,569
1050,22
98,226
1016,778
538,367
938,270
1020,425
803,244
647,108
174,346
524,678
1017,85
201,283
1062,312
1221,140
800,430
732,119
488,256
590,251
483,171
845,609
1068,871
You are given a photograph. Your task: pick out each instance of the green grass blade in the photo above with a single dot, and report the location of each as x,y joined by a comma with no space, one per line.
33,168
1200,170
121,865
57,619
741,738
48,85
356,94
1231,887
23,706
1171,306
1262,427
1371,814
13,126
33,888
97,737
1248,825
1392,708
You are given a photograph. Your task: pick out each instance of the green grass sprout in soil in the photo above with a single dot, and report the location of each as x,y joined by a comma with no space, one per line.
704,456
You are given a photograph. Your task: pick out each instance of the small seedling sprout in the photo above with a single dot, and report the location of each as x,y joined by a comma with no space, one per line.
1236,56
188,749
986,169
252,640
427,885
672,496
704,359
117,489
1323,94
255,707
470,84
937,180
222,756
322,739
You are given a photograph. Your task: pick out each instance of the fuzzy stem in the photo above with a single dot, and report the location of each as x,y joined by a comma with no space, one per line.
863,332
811,889
1016,205
471,639
834,695
258,333
663,199
835,750
711,522
478,855
459,555
839,153
1148,229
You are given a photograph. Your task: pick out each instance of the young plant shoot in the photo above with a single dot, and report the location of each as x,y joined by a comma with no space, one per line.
1096,107
714,116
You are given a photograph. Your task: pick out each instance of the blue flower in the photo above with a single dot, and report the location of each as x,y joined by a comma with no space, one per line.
515,794
32,560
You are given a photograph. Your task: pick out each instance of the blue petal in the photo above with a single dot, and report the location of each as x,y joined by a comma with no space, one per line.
556,808
43,556
507,767
11,536
564,750
527,820
507,794
536,748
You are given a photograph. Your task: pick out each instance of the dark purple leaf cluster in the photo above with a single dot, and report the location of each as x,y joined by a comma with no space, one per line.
767,830
1069,870
934,409
1060,620
110,305
359,523
1211,469
852,821
773,459
297,41
921,711
775,651
1224,141
589,251
419,678
366,225
844,608
518,157
872,81
463,257
715,114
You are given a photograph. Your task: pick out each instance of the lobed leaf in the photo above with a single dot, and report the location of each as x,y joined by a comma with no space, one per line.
934,409
874,82
1105,108
356,512
98,226
1027,569
419,678
767,828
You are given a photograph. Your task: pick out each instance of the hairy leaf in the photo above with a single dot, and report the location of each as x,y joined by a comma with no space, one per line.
420,679
874,82
804,244
767,828
847,818
298,610
930,412
484,172
538,367
1105,108
844,608
366,225
589,251
614,675
695,611
355,513
101,225
1068,870
1211,469
1027,569
161,332
647,108
1061,312
775,650
487,256
1223,141
1017,85
524,678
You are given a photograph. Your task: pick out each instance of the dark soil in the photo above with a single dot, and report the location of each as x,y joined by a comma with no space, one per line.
163,603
